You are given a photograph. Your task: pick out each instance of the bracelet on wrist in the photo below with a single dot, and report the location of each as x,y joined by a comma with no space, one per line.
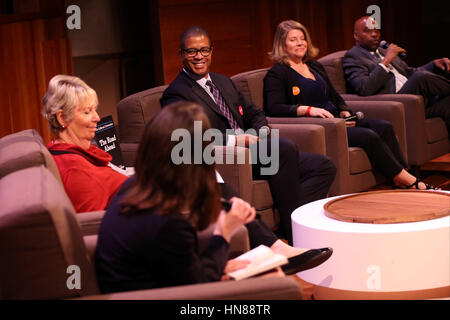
307,111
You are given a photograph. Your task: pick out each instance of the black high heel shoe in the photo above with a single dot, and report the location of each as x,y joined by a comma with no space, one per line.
415,185
306,260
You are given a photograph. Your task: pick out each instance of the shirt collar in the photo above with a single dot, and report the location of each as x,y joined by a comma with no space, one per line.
201,81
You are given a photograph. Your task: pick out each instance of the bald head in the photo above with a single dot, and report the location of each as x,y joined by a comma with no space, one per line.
366,33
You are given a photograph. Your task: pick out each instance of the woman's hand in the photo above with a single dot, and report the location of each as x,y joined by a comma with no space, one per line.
233,265
345,114
241,212
313,112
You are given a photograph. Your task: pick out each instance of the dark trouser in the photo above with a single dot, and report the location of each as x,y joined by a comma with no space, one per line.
377,138
435,90
258,232
301,178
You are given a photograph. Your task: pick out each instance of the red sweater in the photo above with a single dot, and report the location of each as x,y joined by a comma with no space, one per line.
89,182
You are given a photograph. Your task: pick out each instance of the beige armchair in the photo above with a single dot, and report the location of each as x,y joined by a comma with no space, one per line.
354,170
135,111
426,138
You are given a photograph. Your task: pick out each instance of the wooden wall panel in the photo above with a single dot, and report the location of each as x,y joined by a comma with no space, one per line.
242,30
31,52
18,76
227,22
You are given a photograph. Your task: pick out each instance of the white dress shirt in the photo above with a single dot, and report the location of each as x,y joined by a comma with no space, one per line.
399,78
231,139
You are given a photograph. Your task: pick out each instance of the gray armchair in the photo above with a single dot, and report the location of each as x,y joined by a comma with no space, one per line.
40,239
426,138
354,170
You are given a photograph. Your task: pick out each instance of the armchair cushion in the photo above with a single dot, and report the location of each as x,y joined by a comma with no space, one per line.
90,221
262,197
435,129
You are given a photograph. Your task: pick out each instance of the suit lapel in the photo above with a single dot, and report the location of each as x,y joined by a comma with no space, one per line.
202,95
367,54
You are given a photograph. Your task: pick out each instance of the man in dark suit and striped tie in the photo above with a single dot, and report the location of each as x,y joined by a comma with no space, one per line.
301,177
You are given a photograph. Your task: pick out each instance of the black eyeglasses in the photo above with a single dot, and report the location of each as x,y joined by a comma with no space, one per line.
192,52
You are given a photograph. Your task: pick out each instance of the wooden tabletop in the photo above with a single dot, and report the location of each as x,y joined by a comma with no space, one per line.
389,206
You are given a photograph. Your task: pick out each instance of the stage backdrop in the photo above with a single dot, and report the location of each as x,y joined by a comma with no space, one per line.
34,42
242,30
33,48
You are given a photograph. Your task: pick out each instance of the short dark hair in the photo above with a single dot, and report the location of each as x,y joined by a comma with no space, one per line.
193,31
168,187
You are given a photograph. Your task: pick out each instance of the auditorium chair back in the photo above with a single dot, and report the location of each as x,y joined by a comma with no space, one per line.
134,112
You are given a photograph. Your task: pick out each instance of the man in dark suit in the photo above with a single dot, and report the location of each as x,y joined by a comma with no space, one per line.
301,177
370,69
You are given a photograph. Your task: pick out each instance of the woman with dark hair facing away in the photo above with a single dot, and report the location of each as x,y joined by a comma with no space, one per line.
148,238
298,86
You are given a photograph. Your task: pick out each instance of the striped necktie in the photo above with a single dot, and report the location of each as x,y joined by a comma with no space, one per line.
223,107
377,56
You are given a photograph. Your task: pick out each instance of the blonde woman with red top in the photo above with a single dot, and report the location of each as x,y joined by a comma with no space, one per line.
70,106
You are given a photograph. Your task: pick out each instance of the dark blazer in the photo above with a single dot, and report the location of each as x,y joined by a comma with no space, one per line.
145,249
365,76
278,83
185,88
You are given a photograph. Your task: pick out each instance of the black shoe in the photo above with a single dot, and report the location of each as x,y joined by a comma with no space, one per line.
306,260
415,185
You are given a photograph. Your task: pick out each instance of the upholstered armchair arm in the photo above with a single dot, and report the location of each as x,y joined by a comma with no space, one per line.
269,288
391,111
239,242
336,143
233,164
90,221
307,137
129,151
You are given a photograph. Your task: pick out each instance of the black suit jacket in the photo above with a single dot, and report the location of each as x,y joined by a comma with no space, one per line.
278,98
186,88
365,76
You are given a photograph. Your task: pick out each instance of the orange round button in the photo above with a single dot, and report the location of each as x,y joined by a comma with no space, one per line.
295,90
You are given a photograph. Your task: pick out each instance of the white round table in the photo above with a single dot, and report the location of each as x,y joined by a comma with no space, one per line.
375,261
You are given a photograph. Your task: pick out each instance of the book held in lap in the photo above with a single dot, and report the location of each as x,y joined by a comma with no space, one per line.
262,259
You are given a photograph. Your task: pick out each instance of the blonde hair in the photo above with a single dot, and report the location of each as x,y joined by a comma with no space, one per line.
65,93
278,54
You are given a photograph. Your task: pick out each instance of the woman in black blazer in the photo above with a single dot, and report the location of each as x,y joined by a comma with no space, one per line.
297,86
